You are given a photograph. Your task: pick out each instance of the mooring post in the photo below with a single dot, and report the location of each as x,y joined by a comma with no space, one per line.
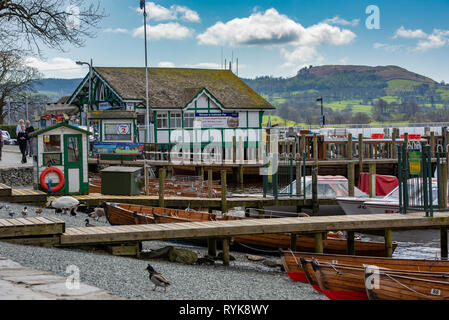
393,144
161,187
432,144
372,180
298,177
202,172
212,247
388,243
234,149
209,183
224,208
293,241
350,244
351,178
319,242
360,152
349,147
315,204
146,178
241,177
226,254
443,242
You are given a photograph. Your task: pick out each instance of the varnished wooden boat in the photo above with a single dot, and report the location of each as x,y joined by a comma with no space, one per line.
124,214
292,263
387,285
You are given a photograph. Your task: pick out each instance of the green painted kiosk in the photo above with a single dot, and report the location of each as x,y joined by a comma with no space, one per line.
61,166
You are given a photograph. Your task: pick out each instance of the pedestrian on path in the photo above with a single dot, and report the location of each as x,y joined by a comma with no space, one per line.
19,126
22,138
29,148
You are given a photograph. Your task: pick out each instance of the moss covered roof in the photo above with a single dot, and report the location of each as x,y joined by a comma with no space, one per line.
175,87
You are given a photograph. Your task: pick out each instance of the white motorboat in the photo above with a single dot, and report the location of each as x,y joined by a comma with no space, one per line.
356,205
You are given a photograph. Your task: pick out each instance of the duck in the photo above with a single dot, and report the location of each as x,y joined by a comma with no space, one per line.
88,224
25,212
64,203
157,278
98,213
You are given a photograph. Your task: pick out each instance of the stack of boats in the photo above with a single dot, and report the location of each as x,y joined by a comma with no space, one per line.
341,277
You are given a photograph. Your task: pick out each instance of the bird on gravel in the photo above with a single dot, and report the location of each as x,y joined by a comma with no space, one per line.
25,212
11,213
7,207
157,278
88,224
98,213
38,211
1,206
64,203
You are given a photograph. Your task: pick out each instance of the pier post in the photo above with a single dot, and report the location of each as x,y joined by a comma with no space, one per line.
241,177
406,140
226,254
351,178
393,143
350,244
146,178
443,242
315,204
360,152
319,242
298,177
349,147
293,241
161,187
212,247
372,180
209,183
432,144
234,149
388,243
224,208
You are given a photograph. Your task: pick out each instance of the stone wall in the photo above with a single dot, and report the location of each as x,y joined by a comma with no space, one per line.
16,177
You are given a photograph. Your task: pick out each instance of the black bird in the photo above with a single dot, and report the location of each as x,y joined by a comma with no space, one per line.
73,212
25,212
88,224
157,278
11,214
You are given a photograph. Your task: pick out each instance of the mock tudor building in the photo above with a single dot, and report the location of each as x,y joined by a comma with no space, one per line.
215,103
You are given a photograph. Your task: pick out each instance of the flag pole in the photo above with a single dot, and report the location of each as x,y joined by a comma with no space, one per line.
147,120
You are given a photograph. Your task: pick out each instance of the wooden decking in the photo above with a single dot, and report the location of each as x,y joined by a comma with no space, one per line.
217,229
25,195
184,202
25,227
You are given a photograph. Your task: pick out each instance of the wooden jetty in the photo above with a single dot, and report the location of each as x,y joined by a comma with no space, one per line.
127,239
25,195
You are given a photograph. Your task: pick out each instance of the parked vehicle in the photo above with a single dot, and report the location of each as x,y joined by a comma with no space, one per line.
7,138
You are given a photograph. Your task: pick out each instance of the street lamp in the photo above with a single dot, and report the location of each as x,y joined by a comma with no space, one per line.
323,119
147,121
90,89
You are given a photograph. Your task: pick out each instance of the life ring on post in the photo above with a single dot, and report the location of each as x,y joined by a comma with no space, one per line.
60,175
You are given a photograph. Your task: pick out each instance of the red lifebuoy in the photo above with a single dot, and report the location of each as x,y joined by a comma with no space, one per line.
60,175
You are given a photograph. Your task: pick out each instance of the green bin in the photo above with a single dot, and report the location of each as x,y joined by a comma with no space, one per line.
124,181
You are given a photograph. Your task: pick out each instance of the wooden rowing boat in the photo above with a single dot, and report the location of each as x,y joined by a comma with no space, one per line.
134,214
292,263
387,285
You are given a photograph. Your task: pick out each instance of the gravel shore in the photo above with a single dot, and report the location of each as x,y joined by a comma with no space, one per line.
126,277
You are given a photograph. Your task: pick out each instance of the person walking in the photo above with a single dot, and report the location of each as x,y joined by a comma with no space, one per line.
19,126
29,148
22,138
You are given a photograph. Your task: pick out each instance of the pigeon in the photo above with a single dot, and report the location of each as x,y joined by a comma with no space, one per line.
25,212
11,214
157,278
7,207
38,211
88,224
98,213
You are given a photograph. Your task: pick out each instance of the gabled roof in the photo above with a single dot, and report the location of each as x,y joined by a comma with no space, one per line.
46,129
175,87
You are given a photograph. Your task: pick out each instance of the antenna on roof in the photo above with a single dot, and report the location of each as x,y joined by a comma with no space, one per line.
237,67
224,64
230,66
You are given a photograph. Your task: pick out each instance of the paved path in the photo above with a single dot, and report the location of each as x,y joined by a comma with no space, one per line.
11,158
21,283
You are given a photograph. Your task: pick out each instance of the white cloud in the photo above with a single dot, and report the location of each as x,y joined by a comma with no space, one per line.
438,39
175,12
205,65
57,67
340,21
387,47
270,28
409,34
166,64
171,30
117,30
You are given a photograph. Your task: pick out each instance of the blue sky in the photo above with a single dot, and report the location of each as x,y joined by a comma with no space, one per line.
268,37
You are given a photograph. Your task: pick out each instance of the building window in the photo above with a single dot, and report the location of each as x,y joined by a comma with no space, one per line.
175,120
162,120
118,131
52,143
189,117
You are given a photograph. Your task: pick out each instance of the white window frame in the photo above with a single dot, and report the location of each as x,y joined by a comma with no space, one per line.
117,122
175,119
162,120
191,115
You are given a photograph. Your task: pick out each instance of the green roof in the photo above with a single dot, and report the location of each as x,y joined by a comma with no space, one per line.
46,129
175,87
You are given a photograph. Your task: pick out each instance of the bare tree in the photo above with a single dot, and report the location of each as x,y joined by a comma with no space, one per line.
52,23
15,77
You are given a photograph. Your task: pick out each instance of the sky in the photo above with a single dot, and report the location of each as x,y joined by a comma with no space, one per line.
269,38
